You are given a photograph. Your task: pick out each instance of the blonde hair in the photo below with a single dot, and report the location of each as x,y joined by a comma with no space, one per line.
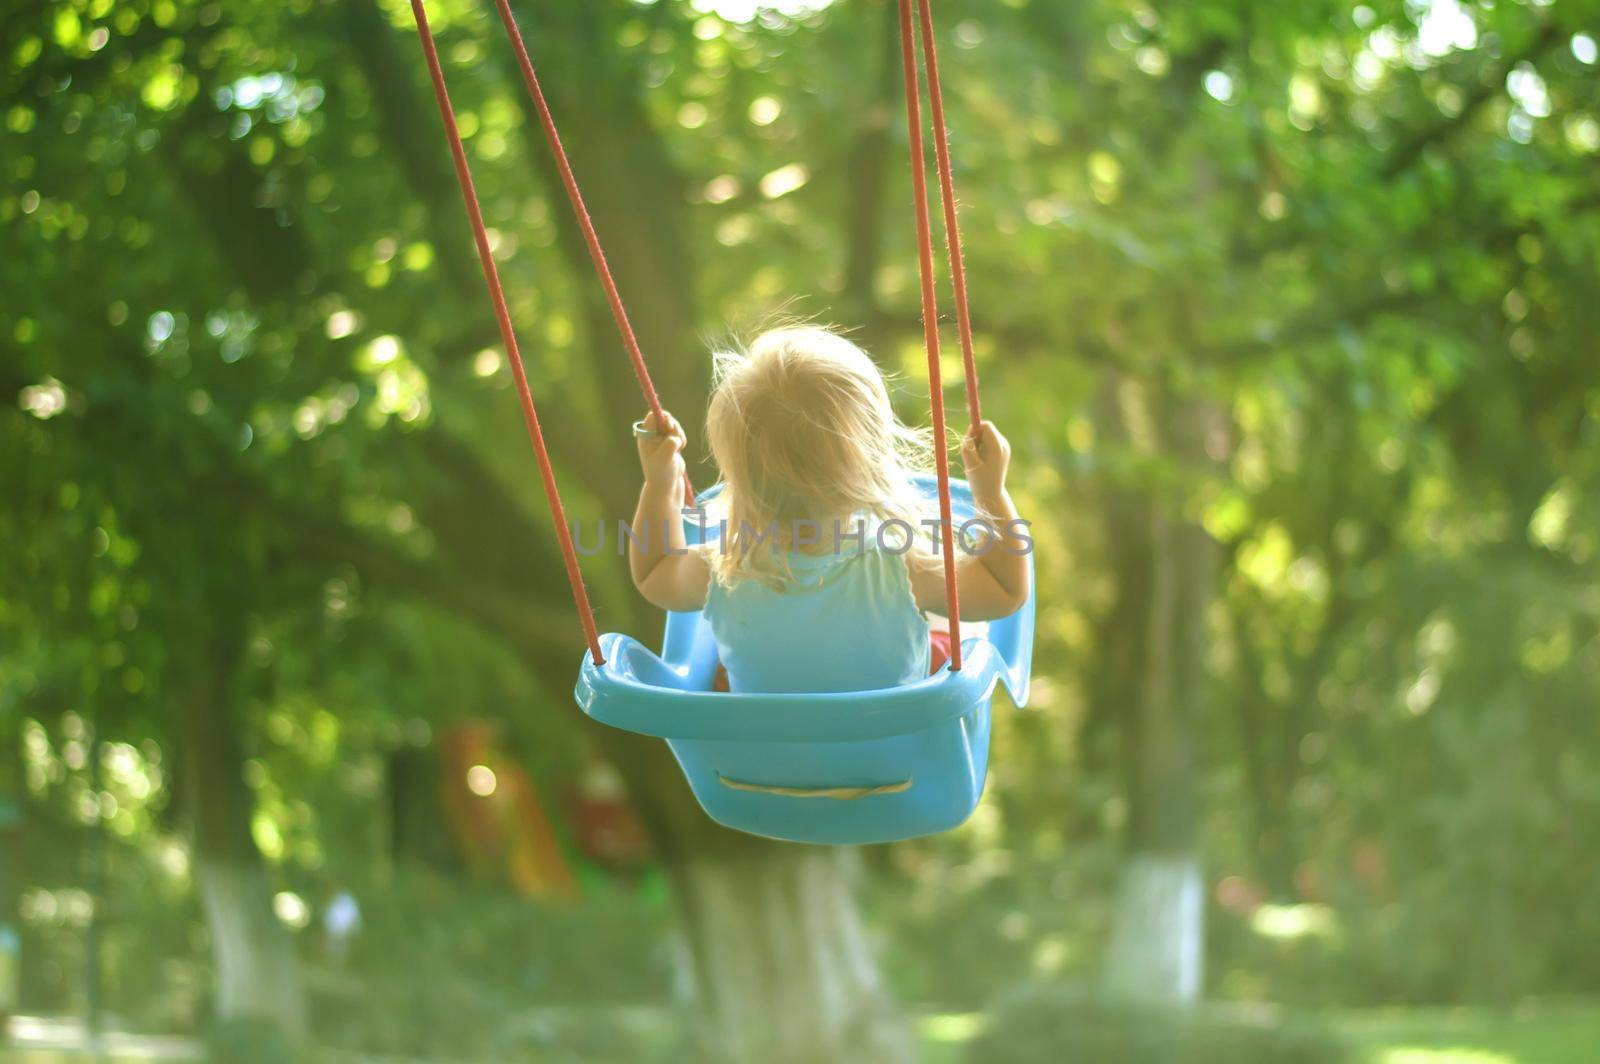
802,429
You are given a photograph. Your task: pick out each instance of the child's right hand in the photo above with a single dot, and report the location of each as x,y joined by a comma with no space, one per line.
987,456
661,455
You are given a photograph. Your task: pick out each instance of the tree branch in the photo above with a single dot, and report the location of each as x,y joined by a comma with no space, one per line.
1408,151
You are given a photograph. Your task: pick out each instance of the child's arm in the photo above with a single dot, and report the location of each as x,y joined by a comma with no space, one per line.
666,573
993,584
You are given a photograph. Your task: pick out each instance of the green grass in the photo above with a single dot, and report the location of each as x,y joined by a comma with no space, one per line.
1568,1035
1546,1035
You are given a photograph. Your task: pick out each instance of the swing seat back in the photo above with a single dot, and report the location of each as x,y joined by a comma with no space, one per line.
836,768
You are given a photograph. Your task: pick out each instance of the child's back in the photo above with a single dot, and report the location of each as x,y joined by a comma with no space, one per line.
843,622
803,594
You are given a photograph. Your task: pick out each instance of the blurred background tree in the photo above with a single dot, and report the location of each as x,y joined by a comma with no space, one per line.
1288,309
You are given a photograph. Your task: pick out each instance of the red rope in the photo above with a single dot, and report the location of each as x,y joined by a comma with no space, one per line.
580,211
930,325
952,232
491,277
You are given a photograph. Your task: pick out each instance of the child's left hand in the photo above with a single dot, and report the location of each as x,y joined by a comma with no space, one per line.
661,454
987,456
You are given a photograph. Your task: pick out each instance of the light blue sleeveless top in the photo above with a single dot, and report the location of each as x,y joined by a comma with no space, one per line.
847,622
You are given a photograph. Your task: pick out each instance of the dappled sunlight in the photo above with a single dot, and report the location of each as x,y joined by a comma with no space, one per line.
1290,922
401,385
1446,26
746,10
951,1027
784,180
1416,1055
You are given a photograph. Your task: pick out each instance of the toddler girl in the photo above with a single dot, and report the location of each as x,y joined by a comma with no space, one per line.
819,582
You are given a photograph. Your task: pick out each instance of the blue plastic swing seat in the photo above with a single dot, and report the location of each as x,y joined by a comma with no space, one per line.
858,767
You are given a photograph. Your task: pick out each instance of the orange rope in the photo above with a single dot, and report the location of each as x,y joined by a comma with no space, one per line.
952,232
930,326
580,212
491,277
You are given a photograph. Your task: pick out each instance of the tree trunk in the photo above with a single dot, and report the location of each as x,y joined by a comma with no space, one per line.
11,871
257,972
1170,564
783,969
868,176
1158,929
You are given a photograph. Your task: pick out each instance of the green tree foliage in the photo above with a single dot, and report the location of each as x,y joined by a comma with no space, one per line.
258,433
